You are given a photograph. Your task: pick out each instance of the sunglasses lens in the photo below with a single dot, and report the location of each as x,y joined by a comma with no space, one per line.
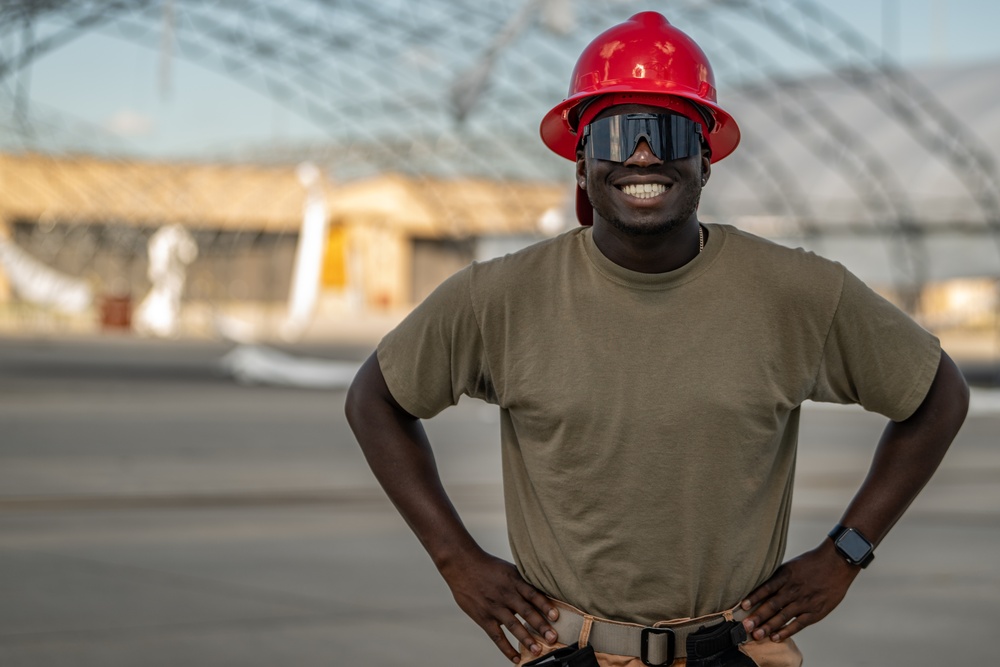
670,137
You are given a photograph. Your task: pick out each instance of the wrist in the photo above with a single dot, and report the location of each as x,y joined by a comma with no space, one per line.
457,558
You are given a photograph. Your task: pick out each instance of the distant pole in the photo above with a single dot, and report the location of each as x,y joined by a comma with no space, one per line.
166,48
308,254
939,31
890,31
21,92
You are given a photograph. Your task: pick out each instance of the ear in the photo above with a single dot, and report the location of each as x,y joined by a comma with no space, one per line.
706,166
581,170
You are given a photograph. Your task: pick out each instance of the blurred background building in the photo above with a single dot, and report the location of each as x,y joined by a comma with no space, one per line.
257,170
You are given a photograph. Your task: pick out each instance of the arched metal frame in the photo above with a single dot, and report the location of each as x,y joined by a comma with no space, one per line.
456,87
869,175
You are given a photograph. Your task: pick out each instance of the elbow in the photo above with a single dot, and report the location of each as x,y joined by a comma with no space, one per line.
352,403
358,396
963,399
953,391
358,404
369,400
960,390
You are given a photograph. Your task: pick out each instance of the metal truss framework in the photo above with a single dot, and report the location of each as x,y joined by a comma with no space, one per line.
450,87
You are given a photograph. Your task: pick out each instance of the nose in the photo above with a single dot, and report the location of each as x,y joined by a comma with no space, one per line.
643,156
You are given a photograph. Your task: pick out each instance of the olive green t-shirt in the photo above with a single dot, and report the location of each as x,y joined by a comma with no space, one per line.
649,421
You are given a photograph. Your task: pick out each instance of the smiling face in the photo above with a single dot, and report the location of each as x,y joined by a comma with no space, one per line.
643,195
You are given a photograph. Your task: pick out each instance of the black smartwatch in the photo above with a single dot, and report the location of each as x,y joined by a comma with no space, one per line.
852,545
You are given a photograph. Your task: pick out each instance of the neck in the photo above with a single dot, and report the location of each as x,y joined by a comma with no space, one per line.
652,253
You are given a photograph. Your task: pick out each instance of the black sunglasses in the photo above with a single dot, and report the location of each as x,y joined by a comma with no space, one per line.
670,137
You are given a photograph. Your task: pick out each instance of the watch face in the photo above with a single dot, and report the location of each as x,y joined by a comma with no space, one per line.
853,545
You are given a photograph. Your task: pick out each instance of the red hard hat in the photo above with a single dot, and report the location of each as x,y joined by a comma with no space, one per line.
642,55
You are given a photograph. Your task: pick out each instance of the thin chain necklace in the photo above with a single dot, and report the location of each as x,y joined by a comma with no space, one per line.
701,238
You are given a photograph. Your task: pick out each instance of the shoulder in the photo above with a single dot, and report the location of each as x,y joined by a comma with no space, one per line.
757,250
764,263
538,262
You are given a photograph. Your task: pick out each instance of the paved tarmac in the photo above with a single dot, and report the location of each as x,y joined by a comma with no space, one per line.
154,512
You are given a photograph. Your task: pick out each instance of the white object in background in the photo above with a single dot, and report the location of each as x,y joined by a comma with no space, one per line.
308,254
171,249
39,284
256,364
552,221
234,329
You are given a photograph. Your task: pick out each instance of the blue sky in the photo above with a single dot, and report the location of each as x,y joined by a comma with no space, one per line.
115,84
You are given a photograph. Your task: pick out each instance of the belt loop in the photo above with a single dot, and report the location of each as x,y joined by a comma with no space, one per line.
588,623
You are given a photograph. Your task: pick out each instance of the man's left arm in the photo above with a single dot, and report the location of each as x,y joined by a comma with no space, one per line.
804,590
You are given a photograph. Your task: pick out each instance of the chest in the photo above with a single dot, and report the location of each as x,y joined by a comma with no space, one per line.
645,367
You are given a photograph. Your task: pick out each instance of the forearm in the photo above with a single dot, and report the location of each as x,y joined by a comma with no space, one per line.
488,589
908,454
399,454
807,588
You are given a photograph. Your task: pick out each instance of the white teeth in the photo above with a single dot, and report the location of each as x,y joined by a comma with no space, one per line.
644,190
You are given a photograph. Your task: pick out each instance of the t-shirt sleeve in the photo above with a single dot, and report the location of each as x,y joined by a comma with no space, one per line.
436,354
875,355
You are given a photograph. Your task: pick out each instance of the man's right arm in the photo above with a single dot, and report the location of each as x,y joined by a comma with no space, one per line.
488,589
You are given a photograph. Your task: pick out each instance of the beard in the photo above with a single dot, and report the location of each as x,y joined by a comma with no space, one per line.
683,211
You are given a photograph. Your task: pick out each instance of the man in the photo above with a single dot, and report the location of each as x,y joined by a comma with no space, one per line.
649,371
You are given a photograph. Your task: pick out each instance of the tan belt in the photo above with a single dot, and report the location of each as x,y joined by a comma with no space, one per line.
657,644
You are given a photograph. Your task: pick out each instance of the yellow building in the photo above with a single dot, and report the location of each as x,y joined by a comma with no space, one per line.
390,239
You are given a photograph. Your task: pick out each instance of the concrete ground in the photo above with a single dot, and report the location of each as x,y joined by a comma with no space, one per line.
154,512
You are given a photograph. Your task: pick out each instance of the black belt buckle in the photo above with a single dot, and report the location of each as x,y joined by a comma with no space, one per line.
644,646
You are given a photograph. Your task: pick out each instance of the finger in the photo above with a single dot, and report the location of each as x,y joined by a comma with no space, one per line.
495,633
536,623
777,612
521,633
797,624
764,591
770,625
542,603
765,615
796,612
535,606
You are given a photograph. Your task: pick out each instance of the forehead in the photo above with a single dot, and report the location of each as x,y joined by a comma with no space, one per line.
620,109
